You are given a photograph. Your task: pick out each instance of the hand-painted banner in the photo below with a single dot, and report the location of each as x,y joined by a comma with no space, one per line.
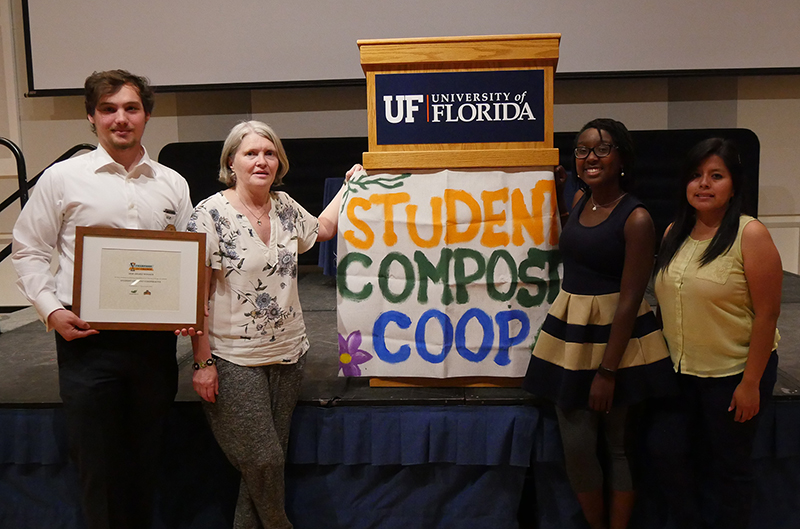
445,274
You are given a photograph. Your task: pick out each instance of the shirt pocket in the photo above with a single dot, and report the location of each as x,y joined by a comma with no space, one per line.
164,220
717,271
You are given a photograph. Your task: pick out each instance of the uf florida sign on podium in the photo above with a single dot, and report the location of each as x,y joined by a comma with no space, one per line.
460,107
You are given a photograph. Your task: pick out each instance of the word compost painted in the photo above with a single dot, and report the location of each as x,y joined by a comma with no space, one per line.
445,274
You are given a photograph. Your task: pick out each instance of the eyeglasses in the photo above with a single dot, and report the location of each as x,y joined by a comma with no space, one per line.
601,151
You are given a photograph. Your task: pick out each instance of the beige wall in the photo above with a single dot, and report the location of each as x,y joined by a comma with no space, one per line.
769,105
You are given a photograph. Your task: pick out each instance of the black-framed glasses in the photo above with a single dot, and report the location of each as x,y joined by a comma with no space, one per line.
601,151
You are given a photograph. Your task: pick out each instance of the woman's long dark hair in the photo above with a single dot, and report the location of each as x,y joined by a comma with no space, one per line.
686,218
621,138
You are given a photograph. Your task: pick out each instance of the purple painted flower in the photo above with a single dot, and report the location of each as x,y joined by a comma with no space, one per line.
350,355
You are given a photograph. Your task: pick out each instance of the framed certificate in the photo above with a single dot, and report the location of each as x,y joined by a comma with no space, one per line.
138,279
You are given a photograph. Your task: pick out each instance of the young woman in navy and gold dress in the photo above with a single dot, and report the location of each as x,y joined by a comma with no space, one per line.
600,348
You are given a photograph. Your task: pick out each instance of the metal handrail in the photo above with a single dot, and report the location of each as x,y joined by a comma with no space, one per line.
22,178
24,184
22,173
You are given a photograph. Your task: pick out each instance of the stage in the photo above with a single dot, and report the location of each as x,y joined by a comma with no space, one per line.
362,457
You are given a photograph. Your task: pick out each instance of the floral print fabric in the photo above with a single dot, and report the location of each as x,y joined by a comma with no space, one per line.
254,309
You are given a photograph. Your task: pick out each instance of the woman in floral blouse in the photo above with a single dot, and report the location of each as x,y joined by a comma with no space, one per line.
249,359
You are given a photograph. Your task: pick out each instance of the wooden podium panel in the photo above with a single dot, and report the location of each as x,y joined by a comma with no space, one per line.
504,53
441,156
452,52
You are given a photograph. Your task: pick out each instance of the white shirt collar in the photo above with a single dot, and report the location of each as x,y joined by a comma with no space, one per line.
102,161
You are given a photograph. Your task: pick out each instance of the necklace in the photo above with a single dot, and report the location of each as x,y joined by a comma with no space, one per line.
595,205
258,217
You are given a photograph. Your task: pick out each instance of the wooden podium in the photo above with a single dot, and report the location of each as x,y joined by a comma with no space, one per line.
481,55
459,103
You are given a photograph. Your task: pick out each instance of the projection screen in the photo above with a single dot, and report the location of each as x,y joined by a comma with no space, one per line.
194,44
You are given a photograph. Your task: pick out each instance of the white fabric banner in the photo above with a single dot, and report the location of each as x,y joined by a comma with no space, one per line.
445,274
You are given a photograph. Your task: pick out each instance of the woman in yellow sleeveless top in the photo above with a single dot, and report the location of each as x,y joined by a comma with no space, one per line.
718,284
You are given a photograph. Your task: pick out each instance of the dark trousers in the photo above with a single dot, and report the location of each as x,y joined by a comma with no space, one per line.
117,388
703,457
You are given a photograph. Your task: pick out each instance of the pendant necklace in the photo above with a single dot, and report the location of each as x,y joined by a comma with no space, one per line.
258,217
595,205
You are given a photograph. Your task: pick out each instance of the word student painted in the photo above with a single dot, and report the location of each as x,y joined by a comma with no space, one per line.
445,274
459,107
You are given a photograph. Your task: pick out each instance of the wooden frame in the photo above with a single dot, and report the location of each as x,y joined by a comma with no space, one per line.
139,279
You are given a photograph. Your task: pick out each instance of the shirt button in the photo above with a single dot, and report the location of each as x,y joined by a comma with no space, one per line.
131,206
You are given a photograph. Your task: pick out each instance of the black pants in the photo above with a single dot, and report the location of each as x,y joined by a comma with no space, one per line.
694,441
117,388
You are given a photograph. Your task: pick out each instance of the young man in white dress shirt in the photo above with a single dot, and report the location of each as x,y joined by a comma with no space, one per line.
116,386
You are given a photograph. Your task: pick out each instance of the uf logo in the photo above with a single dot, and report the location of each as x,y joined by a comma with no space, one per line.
402,110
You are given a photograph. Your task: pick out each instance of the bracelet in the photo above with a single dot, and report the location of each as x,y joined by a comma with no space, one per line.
202,365
603,371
